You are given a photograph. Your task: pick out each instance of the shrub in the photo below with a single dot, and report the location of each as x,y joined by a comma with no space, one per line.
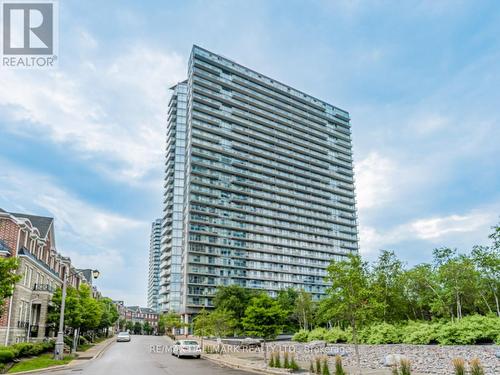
458,366
83,341
405,367
339,369
420,333
475,367
6,355
318,365
472,329
381,333
286,362
23,349
277,359
326,370
300,336
293,364
271,360
317,334
336,334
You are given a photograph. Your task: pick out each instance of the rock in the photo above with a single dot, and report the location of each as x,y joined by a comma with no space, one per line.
394,359
498,353
316,344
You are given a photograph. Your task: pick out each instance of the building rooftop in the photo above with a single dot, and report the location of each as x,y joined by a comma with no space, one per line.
293,92
42,223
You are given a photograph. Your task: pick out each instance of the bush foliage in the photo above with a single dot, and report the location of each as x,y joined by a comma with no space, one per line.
24,349
470,330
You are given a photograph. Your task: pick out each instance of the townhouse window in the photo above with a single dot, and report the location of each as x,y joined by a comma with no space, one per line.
25,281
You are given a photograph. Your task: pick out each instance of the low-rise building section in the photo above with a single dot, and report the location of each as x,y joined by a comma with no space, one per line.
31,239
137,314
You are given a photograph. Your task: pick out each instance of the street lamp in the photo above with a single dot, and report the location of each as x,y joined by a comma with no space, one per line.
59,348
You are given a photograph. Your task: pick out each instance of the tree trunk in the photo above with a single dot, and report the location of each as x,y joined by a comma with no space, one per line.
265,352
459,307
497,304
356,346
486,302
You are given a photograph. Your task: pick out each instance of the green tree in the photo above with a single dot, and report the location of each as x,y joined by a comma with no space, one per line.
487,261
223,322
422,293
387,284
350,296
233,298
137,328
202,325
122,324
91,310
287,300
72,311
129,326
109,313
169,321
459,280
8,278
304,309
147,329
263,318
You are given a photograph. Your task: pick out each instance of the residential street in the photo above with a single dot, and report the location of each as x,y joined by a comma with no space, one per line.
135,357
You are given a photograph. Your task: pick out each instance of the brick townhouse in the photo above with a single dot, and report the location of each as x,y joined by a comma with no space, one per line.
140,314
31,239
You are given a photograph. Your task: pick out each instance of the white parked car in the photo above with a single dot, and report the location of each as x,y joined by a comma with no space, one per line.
123,337
186,348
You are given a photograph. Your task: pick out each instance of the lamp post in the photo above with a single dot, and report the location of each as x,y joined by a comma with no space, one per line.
59,348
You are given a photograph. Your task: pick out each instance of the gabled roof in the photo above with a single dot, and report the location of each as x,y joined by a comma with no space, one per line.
42,223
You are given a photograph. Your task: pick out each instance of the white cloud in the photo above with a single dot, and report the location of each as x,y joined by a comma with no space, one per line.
111,111
464,229
374,180
434,228
80,219
91,236
429,123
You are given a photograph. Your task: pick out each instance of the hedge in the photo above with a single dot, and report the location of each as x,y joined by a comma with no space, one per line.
6,355
24,349
474,329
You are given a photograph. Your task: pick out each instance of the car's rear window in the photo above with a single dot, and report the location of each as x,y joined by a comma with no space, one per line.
189,343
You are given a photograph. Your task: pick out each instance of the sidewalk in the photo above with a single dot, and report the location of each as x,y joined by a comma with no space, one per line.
94,351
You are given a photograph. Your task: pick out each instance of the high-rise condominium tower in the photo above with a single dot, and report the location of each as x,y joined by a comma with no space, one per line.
154,265
259,187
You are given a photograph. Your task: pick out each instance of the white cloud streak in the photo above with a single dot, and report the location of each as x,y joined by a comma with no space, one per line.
83,107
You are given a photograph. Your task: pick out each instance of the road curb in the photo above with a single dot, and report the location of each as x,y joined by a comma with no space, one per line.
70,364
237,366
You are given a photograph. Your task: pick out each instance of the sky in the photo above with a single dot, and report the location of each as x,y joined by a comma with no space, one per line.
84,142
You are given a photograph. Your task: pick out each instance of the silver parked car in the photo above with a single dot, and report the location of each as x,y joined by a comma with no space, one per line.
123,337
186,348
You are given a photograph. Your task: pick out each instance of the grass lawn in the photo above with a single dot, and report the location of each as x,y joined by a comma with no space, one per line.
42,361
84,347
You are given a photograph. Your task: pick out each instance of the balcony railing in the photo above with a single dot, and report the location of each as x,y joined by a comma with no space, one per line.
43,288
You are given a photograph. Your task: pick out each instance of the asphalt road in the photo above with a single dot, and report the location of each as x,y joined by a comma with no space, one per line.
136,358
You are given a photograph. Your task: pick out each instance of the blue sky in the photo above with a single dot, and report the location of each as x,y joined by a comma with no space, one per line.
84,142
